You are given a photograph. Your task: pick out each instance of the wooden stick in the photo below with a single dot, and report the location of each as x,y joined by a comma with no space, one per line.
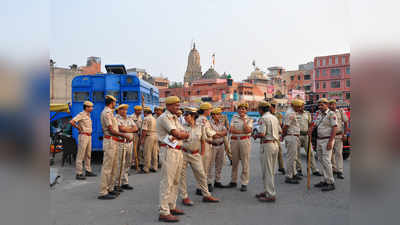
309,163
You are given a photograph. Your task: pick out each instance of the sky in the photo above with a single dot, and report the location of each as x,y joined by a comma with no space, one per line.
157,35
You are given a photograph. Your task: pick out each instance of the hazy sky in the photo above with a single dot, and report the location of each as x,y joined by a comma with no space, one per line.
157,34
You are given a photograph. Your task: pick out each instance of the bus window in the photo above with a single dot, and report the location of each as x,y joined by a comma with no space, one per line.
81,96
130,96
98,96
114,93
155,99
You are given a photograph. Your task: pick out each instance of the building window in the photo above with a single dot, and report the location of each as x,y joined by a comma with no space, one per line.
198,92
335,72
317,85
330,60
291,77
324,85
307,88
347,70
324,72
298,77
317,73
335,84
307,77
348,95
347,83
324,95
336,59
343,59
317,97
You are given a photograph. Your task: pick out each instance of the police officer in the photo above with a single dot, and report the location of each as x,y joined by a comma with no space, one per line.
137,118
205,109
83,123
193,147
291,133
158,110
326,124
170,133
337,156
241,129
269,133
305,122
218,151
125,125
278,115
111,136
149,140
227,144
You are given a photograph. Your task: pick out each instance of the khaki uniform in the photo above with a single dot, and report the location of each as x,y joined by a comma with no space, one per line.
227,144
84,141
109,168
190,157
209,132
281,163
172,163
138,122
150,143
217,152
125,149
241,150
305,120
326,120
269,125
337,155
292,141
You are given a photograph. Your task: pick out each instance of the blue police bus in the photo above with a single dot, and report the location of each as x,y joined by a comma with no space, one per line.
126,88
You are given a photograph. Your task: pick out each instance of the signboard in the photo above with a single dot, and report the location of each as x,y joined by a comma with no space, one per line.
297,94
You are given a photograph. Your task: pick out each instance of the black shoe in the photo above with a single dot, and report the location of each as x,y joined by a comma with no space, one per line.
231,185
153,170
297,177
118,189
218,185
282,170
321,184
133,167
113,193
317,173
243,188
198,192
291,181
90,174
340,175
334,172
300,173
126,187
106,197
159,166
80,177
210,188
328,187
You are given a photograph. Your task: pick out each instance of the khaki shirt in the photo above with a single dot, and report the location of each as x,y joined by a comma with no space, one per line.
326,120
341,119
279,116
220,126
196,135
107,119
137,120
269,125
126,122
237,123
304,120
203,122
165,124
292,120
84,122
149,125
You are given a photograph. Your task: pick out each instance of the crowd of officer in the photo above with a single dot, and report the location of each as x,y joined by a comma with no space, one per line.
177,138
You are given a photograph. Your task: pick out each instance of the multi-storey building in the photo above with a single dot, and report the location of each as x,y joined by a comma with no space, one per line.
332,77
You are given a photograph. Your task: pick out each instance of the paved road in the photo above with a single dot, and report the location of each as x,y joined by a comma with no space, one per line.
75,203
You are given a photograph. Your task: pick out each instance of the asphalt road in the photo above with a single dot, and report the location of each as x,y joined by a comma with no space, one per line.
75,202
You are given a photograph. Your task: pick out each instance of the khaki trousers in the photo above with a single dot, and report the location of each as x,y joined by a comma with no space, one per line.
206,159
227,145
325,157
84,153
194,160
150,153
280,157
292,145
124,148
109,168
304,143
337,156
217,162
170,179
139,150
268,157
241,152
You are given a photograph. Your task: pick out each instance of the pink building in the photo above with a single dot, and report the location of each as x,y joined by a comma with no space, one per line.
332,77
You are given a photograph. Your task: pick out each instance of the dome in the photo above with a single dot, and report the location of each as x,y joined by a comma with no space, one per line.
211,74
257,74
